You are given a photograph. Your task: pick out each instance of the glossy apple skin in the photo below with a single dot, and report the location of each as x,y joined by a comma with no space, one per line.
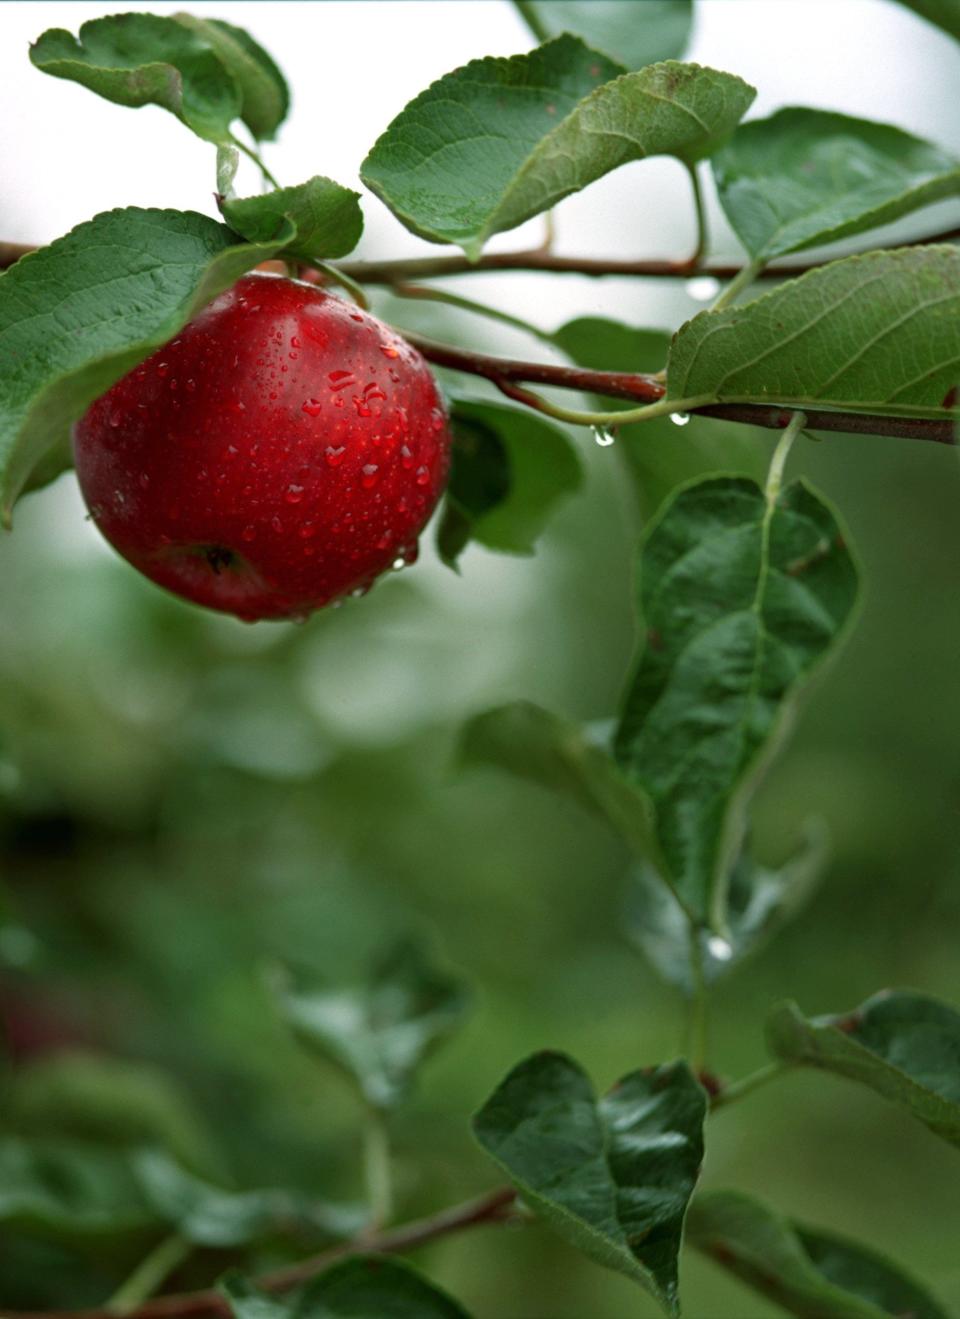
283,451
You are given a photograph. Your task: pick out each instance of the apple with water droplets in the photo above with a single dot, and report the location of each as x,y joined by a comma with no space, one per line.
282,452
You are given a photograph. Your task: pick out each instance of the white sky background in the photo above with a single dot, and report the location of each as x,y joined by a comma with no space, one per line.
66,155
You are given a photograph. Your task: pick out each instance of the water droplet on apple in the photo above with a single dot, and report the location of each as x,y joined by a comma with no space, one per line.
249,533
308,530
406,457
277,525
355,317
362,409
312,407
295,342
436,420
231,451
423,476
369,475
334,454
388,350
144,480
294,494
162,368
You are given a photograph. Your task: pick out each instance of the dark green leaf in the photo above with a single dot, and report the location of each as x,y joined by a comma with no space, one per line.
144,59
501,140
510,469
543,748
208,1215
742,598
327,218
371,1287
660,457
810,1273
264,92
877,333
633,32
806,177
379,1032
245,1301
81,313
362,1287
944,14
904,1045
69,1189
614,1177
759,901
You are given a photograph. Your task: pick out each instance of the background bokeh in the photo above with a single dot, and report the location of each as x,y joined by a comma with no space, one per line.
183,797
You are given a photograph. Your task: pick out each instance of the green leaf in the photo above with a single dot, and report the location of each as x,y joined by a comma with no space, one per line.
904,1045
379,1032
613,1177
659,457
759,901
944,14
69,1189
510,470
631,35
501,140
545,749
264,92
81,313
806,177
327,218
741,598
96,1098
362,1287
144,59
209,1215
809,1272
246,1301
877,333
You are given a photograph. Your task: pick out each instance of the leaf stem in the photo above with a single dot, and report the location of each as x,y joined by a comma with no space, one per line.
701,214
337,276
468,304
662,408
252,155
695,1046
377,1170
780,455
729,1094
736,286
149,1275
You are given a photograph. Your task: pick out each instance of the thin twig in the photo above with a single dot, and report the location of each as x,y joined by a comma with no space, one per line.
640,388
539,259
493,1207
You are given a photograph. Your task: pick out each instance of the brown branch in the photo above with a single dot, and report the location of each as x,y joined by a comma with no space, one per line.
542,260
494,1207
506,373
536,259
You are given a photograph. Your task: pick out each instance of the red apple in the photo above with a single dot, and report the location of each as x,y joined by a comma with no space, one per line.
283,451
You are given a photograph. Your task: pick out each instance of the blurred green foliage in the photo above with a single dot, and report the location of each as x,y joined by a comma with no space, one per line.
186,799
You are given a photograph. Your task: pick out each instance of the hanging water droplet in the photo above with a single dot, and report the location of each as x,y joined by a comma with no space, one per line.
603,435
679,418
719,948
399,563
703,287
